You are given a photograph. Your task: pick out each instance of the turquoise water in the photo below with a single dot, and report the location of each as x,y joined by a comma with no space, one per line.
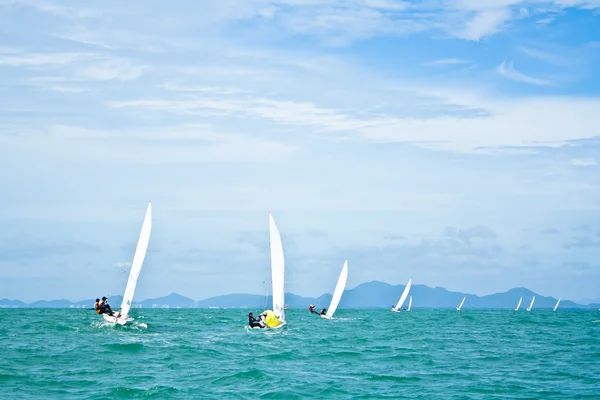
182,354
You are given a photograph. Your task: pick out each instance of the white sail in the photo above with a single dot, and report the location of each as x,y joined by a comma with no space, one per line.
404,295
557,303
339,290
277,270
136,265
519,304
531,305
461,303
409,303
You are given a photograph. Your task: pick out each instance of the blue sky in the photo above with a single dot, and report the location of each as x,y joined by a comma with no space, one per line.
454,142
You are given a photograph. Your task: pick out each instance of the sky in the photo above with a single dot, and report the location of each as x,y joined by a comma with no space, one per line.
454,142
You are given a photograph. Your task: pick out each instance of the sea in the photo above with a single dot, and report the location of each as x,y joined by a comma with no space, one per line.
362,354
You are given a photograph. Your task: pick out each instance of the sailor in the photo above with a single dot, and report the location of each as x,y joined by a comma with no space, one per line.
324,311
105,307
255,323
312,309
97,307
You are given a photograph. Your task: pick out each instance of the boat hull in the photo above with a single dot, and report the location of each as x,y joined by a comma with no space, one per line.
117,320
266,328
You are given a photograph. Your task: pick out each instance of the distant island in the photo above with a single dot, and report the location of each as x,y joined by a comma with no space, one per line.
370,295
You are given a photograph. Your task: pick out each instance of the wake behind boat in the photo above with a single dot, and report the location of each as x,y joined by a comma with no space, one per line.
122,317
337,294
403,297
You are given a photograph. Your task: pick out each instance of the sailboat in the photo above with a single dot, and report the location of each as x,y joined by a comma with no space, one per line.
461,303
277,278
122,317
337,294
409,303
531,305
519,304
556,306
403,297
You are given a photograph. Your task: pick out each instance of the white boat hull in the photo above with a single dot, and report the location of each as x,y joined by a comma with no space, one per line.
266,329
117,320
326,316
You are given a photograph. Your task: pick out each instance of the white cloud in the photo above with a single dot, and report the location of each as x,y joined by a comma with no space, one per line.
584,162
448,61
508,71
503,123
122,264
185,143
542,55
485,23
40,59
112,69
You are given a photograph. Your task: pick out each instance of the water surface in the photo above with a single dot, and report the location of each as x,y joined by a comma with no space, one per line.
197,353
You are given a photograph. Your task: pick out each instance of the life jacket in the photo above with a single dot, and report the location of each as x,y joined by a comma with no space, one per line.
97,307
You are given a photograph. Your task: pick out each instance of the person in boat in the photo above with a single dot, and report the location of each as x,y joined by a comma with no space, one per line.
312,309
323,311
105,307
255,322
97,307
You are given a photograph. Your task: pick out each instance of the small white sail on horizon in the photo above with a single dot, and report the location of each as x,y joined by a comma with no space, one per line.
403,297
519,304
531,305
122,317
277,271
409,303
337,294
461,303
556,306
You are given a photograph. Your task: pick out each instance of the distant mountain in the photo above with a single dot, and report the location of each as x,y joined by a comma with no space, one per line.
6,303
383,295
172,300
367,295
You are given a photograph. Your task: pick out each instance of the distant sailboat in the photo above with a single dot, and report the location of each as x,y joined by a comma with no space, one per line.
337,294
556,306
519,305
461,303
531,305
122,317
409,303
403,297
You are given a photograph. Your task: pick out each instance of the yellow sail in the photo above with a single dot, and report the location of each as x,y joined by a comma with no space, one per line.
271,319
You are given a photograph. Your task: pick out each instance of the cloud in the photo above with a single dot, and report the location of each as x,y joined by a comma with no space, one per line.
179,143
467,234
582,242
20,248
114,69
550,231
577,265
585,228
508,71
19,59
584,162
542,55
485,23
122,264
394,237
448,61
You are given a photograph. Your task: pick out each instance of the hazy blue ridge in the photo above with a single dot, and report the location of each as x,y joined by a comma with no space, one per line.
370,295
